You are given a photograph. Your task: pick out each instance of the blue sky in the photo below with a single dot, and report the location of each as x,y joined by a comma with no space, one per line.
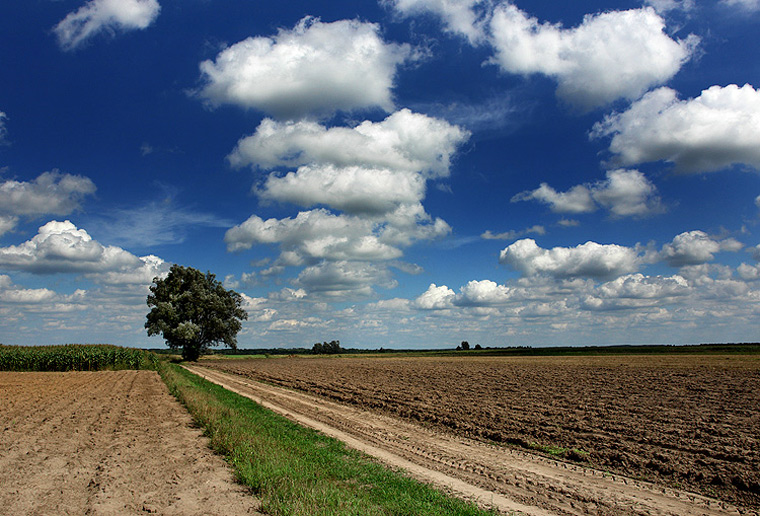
400,173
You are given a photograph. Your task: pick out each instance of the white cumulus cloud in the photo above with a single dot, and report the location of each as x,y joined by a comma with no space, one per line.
372,168
315,235
627,193
142,273
39,297
576,200
695,247
590,260
344,278
636,291
7,223
435,298
624,193
715,130
98,16
315,68
62,247
403,141
483,293
748,272
616,54
51,193
354,190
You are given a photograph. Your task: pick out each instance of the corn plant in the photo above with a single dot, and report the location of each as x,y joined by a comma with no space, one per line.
74,357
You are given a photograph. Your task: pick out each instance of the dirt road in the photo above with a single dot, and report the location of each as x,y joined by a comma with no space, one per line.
112,442
507,479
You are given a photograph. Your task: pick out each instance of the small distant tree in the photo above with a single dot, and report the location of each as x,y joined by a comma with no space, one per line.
478,347
327,348
193,311
465,345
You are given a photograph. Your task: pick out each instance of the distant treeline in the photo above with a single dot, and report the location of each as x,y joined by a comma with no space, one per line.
741,348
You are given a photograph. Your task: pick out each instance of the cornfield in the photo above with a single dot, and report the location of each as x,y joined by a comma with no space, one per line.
74,357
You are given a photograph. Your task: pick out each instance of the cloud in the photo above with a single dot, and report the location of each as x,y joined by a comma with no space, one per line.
15,295
7,223
612,55
460,17
483,293
756,252
318,234
715,130
375,174
108,16
627,193
141,273
315,68
372,168
694,248
496,115
62,247
748,272
344,278
51,193
589,260
635,291
435,298
576,200
665,6
511,235
3,129
314,235
403,141
624,193
155,223
745,5
354,190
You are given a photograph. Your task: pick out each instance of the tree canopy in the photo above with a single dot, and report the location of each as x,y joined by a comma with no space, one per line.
193,311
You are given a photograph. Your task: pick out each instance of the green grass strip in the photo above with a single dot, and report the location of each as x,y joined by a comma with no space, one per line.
295,470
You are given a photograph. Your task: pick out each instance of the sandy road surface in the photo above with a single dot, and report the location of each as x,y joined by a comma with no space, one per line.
505,478
112,442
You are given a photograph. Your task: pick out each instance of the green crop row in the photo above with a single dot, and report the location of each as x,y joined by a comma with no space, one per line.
74,357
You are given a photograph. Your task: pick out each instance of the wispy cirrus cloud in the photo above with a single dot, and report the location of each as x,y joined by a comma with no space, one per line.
154,223
104,16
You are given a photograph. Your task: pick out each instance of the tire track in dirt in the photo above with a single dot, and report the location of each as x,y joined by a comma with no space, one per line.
507,479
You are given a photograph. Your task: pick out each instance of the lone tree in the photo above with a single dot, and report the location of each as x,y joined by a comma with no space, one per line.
194,311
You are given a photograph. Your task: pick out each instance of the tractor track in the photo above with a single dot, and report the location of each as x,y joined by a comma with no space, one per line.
507,479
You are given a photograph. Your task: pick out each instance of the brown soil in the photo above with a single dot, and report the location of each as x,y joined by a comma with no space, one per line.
106,443
681,422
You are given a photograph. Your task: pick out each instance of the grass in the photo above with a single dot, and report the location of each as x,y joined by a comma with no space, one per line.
295,470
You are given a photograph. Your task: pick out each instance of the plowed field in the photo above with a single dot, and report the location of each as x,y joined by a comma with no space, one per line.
112,442
691,422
